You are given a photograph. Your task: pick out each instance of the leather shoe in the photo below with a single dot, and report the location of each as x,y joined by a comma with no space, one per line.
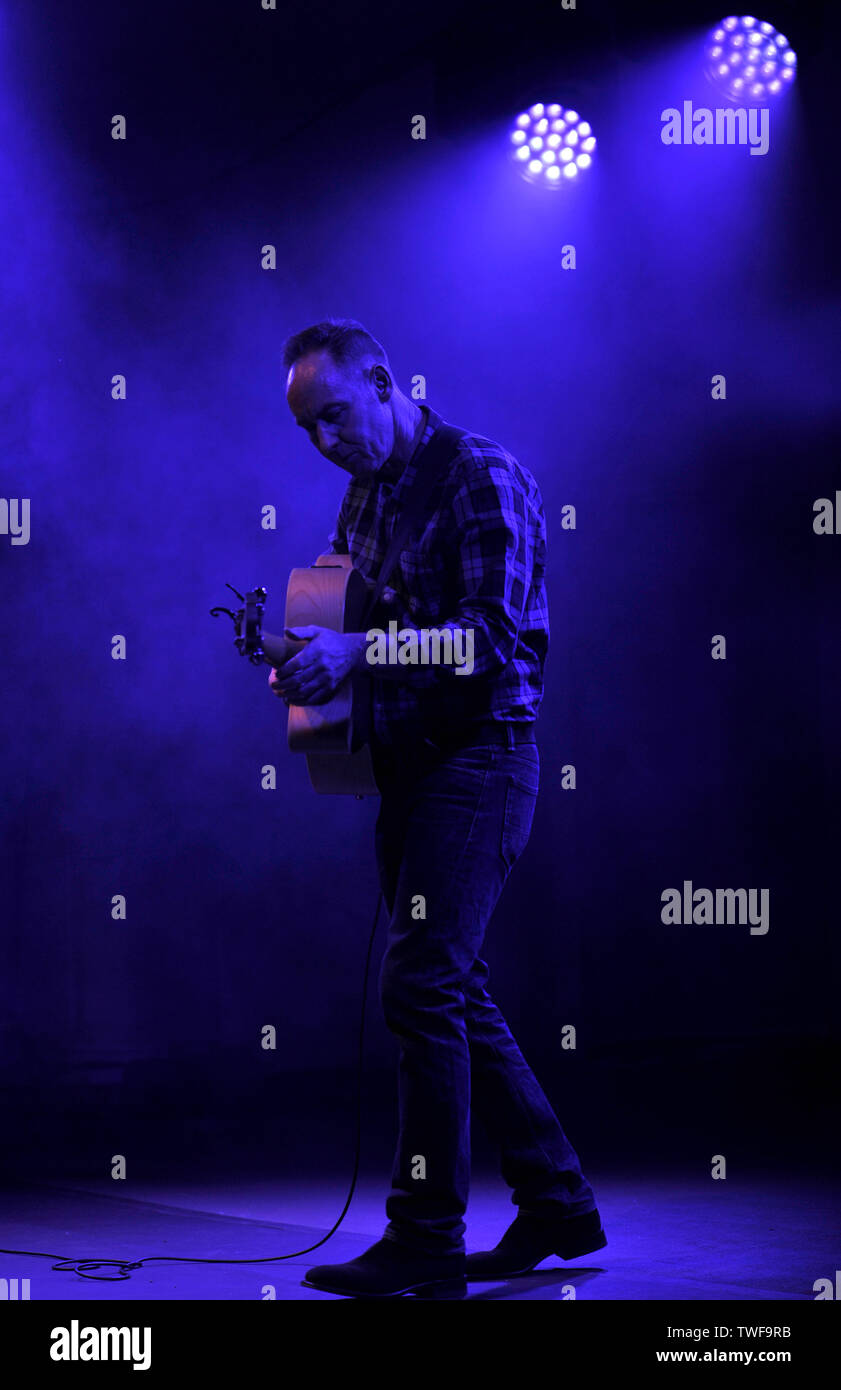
531,1237
389,1269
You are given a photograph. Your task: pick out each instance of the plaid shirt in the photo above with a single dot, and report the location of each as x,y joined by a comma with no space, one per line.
478,563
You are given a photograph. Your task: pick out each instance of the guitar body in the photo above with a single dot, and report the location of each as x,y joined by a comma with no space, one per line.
333,736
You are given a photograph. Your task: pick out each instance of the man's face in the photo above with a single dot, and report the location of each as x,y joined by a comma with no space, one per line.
342,412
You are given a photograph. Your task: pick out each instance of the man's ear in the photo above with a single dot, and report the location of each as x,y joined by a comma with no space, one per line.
383,383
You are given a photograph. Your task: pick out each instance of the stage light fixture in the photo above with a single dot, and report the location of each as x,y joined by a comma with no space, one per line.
749,61
552,144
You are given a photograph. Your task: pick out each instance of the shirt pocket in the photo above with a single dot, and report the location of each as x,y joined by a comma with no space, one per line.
423,576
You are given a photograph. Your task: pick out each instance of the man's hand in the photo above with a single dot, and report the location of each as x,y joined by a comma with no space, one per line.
312,675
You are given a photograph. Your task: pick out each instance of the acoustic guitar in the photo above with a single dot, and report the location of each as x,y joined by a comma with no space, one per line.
333,736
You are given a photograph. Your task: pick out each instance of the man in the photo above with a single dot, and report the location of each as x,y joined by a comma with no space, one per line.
457,764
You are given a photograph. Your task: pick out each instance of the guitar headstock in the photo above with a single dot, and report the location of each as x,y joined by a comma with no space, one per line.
248,623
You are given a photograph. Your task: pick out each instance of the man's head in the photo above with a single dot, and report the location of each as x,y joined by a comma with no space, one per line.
340,389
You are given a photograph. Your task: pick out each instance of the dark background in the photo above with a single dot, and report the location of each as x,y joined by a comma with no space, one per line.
142,777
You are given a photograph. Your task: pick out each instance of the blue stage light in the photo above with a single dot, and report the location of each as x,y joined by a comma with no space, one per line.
551,145
749,61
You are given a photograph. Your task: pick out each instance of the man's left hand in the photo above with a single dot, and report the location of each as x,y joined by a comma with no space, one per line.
312,675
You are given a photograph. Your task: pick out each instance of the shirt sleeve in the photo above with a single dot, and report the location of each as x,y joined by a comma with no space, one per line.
492,568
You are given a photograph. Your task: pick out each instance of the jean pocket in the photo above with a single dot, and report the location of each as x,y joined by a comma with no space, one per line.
518,815
522,764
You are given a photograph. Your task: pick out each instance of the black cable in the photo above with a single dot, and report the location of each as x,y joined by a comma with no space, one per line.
81,1267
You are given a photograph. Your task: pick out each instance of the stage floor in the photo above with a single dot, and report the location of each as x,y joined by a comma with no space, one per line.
669,1237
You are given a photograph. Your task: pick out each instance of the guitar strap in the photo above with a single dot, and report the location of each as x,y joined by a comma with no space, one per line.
434,458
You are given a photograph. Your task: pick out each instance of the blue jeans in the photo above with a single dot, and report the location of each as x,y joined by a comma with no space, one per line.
449,831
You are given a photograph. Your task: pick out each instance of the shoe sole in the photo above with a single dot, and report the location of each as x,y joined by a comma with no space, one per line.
569,1252
439,1288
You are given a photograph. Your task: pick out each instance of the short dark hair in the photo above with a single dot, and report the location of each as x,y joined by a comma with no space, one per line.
345,340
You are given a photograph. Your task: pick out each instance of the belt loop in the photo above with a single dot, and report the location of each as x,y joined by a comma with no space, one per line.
511,739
